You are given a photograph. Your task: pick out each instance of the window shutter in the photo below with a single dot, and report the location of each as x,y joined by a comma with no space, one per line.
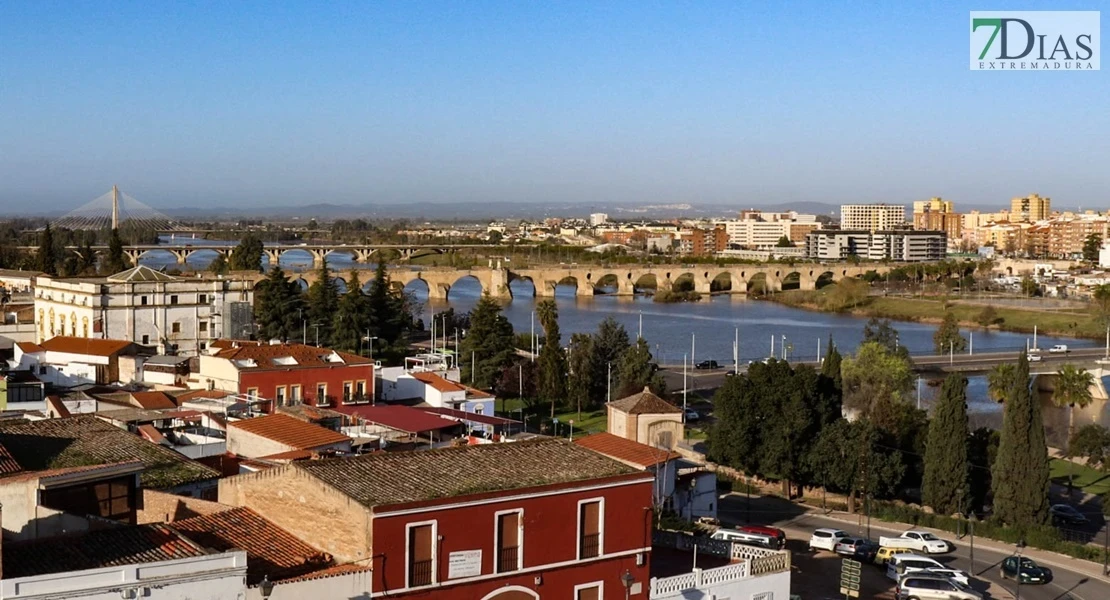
591,521
592,593
509,529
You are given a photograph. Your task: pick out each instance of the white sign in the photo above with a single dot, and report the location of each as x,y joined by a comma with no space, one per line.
464,563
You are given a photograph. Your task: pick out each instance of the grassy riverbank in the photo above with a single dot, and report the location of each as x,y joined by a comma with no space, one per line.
1071,323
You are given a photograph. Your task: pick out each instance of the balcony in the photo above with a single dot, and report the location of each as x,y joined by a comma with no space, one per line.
420,573
591,545
509,559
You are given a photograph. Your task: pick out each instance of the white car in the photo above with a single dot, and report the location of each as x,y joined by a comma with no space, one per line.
922,541
826,539
1059,349
960,577
1034,358
901,564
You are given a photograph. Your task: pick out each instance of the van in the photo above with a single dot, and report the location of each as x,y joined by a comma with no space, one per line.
901,564
776,533
746,538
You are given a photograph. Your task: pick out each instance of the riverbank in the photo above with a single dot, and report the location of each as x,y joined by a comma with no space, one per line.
1071,323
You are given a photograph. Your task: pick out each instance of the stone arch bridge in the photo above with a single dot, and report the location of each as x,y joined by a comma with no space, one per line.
623,280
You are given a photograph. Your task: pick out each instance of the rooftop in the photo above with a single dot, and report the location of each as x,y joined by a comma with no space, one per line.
271,551
260,355
626,450
400,418
29,347
104,548
645,403
140,273
462,415
8,464
438,382
85,440
85,346
291,432
391,478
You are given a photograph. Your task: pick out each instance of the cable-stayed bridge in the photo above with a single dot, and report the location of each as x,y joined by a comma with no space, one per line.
113,210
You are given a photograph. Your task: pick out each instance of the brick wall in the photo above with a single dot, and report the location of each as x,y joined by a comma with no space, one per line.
310,510
160,507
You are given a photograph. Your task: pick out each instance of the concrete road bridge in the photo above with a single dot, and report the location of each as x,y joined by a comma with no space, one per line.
623,280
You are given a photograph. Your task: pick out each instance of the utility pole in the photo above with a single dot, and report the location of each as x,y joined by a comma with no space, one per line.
609,384
693,346
684,386
641,334
532,354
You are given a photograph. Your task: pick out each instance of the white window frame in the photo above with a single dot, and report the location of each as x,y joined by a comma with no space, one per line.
519,539
763,596
279,395
600,585
600,527
435,552
294,393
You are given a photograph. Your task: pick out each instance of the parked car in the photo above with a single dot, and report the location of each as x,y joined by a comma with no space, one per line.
775,532
1030,571
859,548
691,415
909,563
707,364
748,538
929,586
1035,357
922,541
825,539
1059,349
883,555
956,575
1066,515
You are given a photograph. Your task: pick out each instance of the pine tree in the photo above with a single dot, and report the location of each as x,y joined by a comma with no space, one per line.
219,265
86,260
279,307
116,260
247,256
323,301
488,346
947,337
47,259
1020,476
352,317
552,359
610,343
582,361
637,371
946,487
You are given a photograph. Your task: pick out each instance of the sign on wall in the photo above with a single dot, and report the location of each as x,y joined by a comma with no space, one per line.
464,563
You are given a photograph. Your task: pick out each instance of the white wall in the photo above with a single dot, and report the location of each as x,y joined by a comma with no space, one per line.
722,582
350,586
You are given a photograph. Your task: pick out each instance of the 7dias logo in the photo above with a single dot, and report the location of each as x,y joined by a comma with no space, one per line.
1035,40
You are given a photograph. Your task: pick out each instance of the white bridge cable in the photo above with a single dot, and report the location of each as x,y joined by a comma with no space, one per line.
97,214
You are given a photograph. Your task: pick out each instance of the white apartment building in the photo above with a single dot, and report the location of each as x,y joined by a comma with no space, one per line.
872,217
901,246
755,229
598,219
145,306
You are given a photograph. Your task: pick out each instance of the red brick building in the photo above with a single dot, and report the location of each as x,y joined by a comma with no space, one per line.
515,521
706,242
289,374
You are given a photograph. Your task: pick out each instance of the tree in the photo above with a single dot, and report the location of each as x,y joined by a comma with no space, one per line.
848,456
323,301
988,316
1072,387
1020,476
945,484
999,380
518,380
278,307
86,260
610,343
637,370
1092,442
552,359
219,265
883,333
981,452
488,346
1091,246
831,365
116,260
46,260
875,379
1101,303
1030,287
582,364
947,337
247,256
784,242
351,320
846,293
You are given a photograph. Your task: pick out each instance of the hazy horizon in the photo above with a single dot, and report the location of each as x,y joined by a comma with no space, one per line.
255,104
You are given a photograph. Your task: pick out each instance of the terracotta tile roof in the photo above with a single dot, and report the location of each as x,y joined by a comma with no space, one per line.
397,477
335,571
105,548
150,434
436,381
271,551
645,403
288,455
202,395
153,400
289,431
268,356
8,464
50,473
85,440
401,418
85,346
312,414
626,450
29,347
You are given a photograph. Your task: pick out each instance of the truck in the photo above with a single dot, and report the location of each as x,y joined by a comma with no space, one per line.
922,541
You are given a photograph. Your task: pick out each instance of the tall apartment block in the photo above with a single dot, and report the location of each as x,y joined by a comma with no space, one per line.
1030,209
872,217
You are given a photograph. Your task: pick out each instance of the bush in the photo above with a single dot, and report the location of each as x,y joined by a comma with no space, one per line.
988,316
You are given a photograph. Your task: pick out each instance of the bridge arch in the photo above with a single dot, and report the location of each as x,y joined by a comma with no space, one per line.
292,257
823,279
524,287
686,281
721,282
758,284
608,283
791,281
467,285
646,281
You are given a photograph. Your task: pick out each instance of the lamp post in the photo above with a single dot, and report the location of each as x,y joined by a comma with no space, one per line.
370,344
266,586
1017,576
627,580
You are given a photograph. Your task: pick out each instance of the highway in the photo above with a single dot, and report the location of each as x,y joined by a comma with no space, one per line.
798,525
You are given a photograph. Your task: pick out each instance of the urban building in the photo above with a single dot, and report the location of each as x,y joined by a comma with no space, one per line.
175,314
278,434
757,229
1030,209
598,219
647,419
707,242
937,214
530,519
872,217
900,246
286,373
66,361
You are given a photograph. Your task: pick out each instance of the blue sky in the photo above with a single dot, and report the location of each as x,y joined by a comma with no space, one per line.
249,103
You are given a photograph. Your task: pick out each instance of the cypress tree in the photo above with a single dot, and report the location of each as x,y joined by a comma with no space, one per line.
46,260
1020,475
278,307
830,367
552,359
352,318
323,301
945,487
116,260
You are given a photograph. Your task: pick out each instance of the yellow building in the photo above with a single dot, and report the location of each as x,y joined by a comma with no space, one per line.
1030,209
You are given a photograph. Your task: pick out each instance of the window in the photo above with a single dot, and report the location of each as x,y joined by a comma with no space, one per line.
279,395
204,346
252,392
203,326
42,369
146,340
590,531
589,591
294,394
173,300
107,499
509,533
346,391
175,327
202,299
421,554
479,409
142,300
360,390
321,394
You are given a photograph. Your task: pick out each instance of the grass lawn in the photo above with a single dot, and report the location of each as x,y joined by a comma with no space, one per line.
586,423
1089,480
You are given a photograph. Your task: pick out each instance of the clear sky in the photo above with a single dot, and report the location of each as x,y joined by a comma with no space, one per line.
248,103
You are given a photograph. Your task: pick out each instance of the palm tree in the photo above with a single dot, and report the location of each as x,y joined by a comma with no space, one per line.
999,381
1073,386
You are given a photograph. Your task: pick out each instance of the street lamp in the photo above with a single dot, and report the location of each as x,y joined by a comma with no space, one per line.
1017,576
266,586
627,580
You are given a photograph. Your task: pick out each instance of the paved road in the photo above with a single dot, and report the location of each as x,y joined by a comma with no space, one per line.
797,524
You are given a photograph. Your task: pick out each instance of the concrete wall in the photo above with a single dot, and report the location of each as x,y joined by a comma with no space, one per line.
617,422
648,428
349,586
24,519
310,510
160,507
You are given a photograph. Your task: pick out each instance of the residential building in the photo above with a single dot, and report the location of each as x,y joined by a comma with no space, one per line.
21,390
440,392
937,214
17,323
647,419
757,229
901,245
707,242
286,373
532,519
175,314
66,361
598,219
872,217
15,282
398,424
275,434
1030,209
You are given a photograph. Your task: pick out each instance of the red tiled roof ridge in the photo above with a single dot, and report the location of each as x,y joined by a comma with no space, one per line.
626,450
290,431
85,346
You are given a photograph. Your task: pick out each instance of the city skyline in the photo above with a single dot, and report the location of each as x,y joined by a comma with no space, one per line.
259,105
